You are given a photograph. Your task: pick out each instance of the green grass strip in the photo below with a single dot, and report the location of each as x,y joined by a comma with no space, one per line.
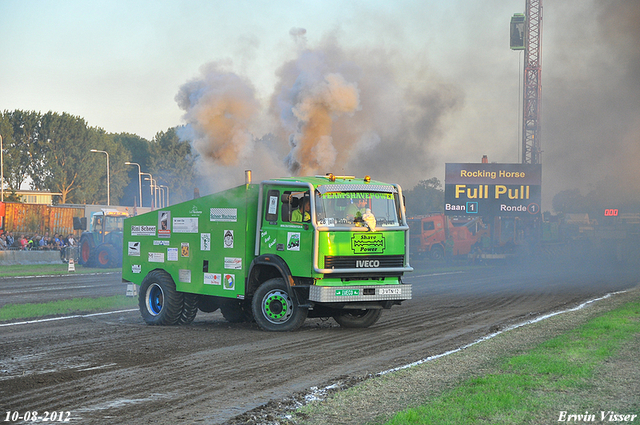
527,385
49,269
73,306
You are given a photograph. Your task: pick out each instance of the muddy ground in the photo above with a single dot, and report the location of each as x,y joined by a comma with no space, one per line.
115,369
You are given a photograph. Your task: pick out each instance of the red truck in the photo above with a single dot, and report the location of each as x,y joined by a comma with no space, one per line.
428,235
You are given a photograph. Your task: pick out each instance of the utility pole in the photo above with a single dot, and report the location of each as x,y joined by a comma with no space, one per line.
139,181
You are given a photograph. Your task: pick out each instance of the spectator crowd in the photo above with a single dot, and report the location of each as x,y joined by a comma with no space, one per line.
36,242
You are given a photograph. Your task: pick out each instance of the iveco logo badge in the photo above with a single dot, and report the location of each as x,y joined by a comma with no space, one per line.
367,263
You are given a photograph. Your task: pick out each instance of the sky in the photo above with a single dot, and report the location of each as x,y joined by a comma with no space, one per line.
389,89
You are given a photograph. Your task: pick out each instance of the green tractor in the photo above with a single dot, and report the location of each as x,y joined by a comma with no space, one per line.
101,245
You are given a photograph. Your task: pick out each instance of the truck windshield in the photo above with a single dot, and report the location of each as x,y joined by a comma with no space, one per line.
345,209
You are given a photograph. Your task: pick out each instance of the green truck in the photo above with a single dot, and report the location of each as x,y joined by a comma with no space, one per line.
275,252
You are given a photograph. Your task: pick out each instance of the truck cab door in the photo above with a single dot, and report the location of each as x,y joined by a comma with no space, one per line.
279,235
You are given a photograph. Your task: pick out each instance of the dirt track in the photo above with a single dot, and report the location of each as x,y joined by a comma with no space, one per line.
116,369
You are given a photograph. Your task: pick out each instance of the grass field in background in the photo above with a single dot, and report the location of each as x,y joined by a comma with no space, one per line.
63,307
530,387
49,269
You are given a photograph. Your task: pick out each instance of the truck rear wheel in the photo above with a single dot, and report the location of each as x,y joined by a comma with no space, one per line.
274,309
358,318
189,309
159,302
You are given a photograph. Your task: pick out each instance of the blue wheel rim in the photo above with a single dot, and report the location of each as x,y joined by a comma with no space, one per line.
155,299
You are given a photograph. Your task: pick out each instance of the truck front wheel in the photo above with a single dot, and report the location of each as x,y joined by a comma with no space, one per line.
159,302
273,308
358,318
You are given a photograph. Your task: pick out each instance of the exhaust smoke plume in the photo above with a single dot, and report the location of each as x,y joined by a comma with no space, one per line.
369,109
314,106
219,107
333,110
591,100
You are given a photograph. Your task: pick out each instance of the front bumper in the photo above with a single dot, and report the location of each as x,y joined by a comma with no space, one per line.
341,294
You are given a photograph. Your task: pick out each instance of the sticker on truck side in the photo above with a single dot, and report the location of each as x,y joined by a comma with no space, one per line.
156,257
134,249
232,263
212,279
223,214
143,230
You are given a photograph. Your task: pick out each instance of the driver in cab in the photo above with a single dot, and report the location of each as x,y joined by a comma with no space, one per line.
356,210
302,213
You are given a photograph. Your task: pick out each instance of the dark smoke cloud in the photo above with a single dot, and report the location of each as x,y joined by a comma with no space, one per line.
407,116
220,107
367,121
333,110
312,96
591,98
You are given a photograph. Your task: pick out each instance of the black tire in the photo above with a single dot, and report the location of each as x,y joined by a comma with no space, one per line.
189,309
106,256
87,254
436,253
235,311
358,318
208,304
273,308
159,302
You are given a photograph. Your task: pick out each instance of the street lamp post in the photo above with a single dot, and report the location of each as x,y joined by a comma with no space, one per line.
108,188
167,195
162,198
139,181
150,187
156,195
154,188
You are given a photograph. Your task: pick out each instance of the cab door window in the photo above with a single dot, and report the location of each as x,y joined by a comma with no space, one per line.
296,207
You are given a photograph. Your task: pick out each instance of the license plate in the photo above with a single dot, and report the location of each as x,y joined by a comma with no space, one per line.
389,291
347,292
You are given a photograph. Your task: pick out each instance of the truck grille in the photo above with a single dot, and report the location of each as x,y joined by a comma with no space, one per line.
363,261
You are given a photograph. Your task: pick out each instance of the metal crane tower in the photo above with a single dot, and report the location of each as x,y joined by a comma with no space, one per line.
531,128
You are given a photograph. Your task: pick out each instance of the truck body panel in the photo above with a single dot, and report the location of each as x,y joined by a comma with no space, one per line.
203,244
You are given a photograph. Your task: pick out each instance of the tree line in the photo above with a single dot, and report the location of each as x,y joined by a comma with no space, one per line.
52,151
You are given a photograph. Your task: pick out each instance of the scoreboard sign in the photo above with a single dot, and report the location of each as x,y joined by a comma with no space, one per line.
492,189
